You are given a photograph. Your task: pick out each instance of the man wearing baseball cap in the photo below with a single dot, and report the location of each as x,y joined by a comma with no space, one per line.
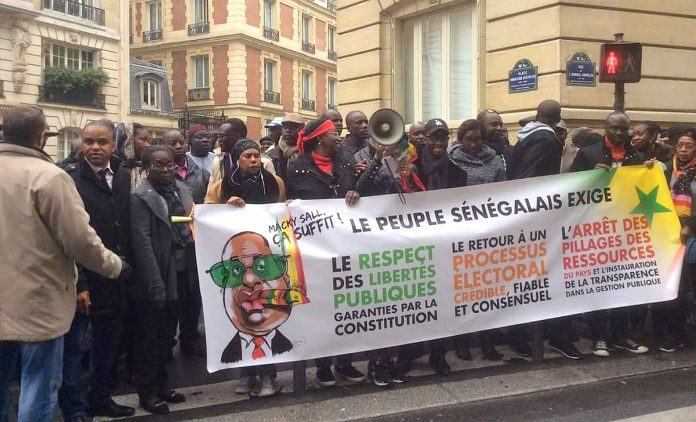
275,130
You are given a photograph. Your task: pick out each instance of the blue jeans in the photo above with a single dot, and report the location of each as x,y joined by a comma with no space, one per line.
41,373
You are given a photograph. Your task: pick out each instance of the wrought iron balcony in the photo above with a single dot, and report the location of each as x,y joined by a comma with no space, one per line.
271,97
74,97
332,55
308,47
271,34
199,28
150,36
198,94
77,9
308,104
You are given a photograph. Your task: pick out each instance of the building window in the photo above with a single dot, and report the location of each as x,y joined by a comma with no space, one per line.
332,93
155,10
269,13
306,29
200,11
151,94
438,65
56,55
331,38
65,140
156,62
307,102
270,86
201,72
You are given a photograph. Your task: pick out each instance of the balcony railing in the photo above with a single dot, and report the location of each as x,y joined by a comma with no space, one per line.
74,8
198,94
332,55
75,97
308,104
199,28
150,36
271,97
308,47
271,34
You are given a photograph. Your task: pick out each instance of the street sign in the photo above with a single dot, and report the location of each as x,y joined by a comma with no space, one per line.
523,77
621,62
580,70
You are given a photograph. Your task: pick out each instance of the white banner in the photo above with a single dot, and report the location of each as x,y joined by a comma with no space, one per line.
318,278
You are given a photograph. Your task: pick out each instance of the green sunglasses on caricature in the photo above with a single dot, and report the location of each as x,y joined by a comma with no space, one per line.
230,273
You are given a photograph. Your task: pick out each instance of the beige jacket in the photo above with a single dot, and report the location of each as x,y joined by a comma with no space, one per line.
44,230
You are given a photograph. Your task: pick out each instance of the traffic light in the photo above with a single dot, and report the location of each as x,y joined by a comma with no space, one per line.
620,62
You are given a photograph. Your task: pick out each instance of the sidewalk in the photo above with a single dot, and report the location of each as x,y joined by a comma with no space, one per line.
470,382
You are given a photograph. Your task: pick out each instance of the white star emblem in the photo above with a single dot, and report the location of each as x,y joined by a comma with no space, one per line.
438,122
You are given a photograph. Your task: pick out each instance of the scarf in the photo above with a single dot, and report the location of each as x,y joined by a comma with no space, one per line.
618,152
324,128
434,171
681,190
324,164
412,183
261,188
290,153
181,233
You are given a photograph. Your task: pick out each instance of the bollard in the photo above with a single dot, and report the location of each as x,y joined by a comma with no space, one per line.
538,342
299,379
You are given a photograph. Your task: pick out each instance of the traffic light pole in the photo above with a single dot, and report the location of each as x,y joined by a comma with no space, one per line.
619,97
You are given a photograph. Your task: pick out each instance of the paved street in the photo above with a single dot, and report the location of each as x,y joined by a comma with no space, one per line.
620,387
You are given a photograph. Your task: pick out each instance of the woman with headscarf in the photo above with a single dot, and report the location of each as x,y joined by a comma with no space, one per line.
162,248
249,183
324,171
670,317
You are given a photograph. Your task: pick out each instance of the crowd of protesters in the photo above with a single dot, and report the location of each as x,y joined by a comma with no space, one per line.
108,208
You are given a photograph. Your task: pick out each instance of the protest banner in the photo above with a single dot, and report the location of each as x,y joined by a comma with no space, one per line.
317,278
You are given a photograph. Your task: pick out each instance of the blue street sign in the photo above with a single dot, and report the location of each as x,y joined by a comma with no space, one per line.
523,77
580,70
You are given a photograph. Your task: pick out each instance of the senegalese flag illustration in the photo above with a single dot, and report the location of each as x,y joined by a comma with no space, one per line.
297,294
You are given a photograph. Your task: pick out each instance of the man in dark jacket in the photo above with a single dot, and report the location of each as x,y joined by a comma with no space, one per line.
189,294
538,152
614,151
100,301
286,151
436,170
357,137
495,135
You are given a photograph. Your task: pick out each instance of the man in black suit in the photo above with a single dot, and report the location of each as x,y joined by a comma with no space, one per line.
252,277
100,301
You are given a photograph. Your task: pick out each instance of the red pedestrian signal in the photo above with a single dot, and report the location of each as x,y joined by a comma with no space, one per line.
621,62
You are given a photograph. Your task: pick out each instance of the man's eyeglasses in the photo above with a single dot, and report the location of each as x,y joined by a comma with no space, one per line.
159,166
687,147
230,273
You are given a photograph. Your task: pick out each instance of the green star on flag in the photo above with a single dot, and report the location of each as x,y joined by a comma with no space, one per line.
648,205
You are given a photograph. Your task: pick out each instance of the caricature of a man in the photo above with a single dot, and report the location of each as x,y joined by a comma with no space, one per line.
257,297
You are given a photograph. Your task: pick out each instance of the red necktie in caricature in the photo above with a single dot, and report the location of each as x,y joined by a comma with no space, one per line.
258,352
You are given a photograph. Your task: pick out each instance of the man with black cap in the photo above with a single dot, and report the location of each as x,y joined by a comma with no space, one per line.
286,151
437,171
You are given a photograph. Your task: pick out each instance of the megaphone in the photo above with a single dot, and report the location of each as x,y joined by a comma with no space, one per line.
386,126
